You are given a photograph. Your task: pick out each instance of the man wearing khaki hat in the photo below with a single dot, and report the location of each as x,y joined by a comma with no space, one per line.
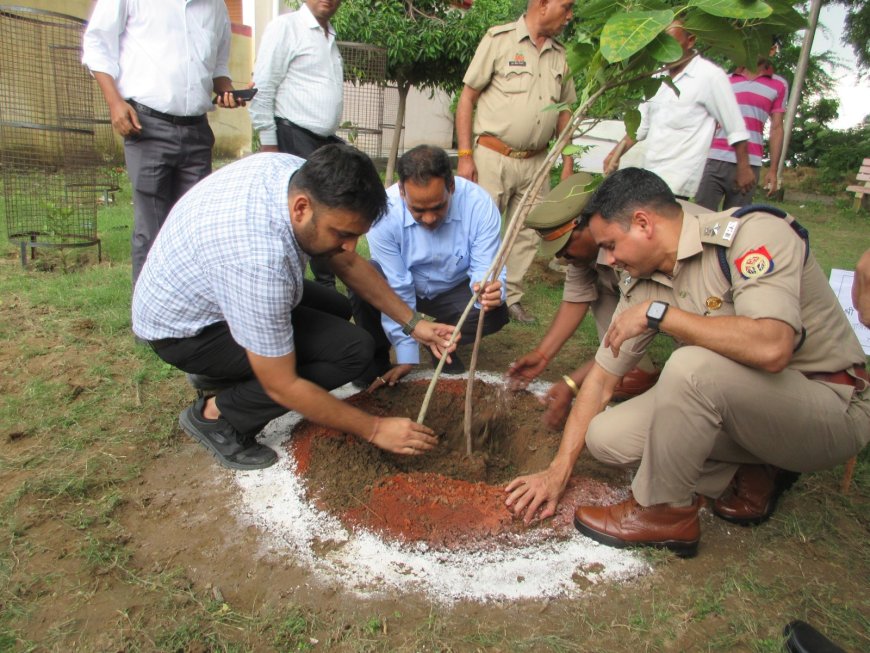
589,284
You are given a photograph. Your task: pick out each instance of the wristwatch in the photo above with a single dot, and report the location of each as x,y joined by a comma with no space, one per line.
655,314
408,328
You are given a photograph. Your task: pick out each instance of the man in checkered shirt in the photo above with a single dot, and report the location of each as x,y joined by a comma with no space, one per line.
222,295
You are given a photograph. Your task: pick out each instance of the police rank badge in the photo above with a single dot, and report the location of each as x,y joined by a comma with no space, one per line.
518,60
754,263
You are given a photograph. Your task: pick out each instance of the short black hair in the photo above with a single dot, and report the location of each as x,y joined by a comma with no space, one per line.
422,163
342,177
626,190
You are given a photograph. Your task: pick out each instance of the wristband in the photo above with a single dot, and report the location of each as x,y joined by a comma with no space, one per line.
571,383
462,153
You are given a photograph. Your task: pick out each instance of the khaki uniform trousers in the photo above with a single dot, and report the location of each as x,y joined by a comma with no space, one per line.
707,414
506,179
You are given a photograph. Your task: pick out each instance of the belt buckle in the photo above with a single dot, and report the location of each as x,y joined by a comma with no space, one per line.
518,154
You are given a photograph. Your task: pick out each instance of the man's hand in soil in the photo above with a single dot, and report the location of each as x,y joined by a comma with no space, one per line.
390,377
525,369
401,435
558,403
527,495
435,336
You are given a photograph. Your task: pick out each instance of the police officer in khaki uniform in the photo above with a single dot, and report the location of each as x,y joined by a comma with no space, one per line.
589,284
518,70
769,377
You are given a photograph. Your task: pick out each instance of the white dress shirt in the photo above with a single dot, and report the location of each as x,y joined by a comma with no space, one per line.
299,76
679,130
164,54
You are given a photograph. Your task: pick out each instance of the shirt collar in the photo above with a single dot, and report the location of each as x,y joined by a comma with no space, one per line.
523,33
689,70
311,21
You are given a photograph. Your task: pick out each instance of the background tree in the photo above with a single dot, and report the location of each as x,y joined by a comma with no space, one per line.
857,30
429,43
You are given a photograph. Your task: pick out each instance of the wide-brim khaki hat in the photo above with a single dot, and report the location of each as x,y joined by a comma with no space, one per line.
554,217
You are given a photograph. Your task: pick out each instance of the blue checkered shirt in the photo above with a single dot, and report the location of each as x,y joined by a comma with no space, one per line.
227,253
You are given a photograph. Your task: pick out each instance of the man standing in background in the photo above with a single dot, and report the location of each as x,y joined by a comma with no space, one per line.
157,64
300,80
678,129
760,94
518,70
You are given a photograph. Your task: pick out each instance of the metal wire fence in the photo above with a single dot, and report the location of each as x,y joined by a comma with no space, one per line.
51,170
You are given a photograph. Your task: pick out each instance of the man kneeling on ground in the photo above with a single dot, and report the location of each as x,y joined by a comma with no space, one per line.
435,244
589,283
770,380
221,295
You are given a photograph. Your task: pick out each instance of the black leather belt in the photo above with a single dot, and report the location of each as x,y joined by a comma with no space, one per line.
175,120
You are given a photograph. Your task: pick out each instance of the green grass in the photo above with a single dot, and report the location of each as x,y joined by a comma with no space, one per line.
84,412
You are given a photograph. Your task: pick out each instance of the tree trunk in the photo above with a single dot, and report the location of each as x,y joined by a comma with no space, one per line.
397,133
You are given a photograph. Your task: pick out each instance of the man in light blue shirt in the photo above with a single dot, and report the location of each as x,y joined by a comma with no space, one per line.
435,245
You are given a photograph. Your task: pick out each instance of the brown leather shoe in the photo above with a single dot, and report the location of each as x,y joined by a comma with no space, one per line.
753,494
631,524
519,314
635,383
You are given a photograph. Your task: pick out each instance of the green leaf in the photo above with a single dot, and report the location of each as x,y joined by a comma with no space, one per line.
717,34
742,9
786,16
589,9
571,150
579,56
626,34
632,122
650,86
665,48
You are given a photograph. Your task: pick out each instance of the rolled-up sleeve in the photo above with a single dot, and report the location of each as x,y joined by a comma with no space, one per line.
101,41
722,105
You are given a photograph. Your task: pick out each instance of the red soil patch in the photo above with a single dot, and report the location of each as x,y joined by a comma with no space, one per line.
443,498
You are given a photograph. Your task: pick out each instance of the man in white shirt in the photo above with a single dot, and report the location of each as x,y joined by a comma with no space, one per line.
299,76
157,64
679,129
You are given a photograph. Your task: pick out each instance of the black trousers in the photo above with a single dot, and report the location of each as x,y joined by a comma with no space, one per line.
330,351
293,139
446,308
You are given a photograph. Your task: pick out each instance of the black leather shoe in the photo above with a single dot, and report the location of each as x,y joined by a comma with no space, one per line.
800,637
224,442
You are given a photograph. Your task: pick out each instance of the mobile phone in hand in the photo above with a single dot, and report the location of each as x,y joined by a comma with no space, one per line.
245,94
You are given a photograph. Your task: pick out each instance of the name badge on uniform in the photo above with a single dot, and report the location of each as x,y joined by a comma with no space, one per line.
729,230
754,263
518,60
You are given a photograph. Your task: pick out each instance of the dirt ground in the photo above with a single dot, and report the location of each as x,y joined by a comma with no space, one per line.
187,576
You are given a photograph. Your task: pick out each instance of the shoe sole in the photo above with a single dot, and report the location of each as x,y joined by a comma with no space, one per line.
188,427
681,548
785,483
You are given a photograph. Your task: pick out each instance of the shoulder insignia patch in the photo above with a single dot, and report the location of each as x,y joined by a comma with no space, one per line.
754,263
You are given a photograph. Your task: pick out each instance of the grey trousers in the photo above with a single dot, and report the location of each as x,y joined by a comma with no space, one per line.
707,414
164,161
717,185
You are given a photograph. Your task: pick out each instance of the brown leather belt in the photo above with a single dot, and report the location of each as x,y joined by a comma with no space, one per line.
842,377
496,145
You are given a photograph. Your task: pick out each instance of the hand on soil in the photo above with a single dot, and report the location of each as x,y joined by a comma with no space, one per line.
401,435
390,377
527,495
525,369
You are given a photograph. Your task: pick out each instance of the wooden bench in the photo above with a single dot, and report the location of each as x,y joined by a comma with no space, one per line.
862,192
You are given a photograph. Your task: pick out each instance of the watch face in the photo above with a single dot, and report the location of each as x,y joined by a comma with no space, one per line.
657,310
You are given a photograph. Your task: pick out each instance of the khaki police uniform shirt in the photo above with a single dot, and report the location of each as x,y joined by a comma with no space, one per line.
585,283
517,82
769,279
